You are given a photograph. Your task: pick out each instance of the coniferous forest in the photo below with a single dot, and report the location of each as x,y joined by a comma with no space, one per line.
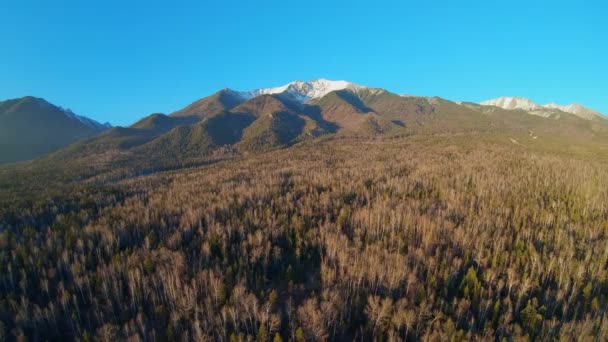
432,237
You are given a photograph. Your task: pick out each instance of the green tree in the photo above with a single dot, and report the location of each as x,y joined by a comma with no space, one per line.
530,318
300,335
471,286
587,292
262,334
272,297
496,312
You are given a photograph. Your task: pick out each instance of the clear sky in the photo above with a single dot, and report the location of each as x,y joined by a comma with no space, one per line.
118,60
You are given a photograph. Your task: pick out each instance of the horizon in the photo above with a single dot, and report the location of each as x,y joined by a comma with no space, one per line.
117,63
318,79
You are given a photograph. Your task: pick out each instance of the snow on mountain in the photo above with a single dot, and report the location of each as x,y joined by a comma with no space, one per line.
546,110
303,91
506,102
577,110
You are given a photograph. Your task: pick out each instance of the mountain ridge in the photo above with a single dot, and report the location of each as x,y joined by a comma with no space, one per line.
517,102
269,118
229,122
301,91
31,127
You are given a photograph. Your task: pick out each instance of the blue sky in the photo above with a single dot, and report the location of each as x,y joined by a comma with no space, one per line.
117,61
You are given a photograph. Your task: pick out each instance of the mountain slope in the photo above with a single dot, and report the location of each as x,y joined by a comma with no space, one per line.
264,105
229,123
200,139
272,130
124,138
219,102
344,109
279,122
31,127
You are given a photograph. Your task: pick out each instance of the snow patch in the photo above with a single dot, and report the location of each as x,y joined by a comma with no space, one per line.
546,111
507,102
302,91
576,109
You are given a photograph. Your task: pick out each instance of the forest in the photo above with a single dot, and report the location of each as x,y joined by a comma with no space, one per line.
436,238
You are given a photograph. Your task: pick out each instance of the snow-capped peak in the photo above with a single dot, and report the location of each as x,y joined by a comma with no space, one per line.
507,102
303,91
542,110
576,109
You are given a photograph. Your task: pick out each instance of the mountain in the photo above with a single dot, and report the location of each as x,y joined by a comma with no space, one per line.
300,91
258,120
219,102
506,102
241,122
512,103
125,138
578,110
31,127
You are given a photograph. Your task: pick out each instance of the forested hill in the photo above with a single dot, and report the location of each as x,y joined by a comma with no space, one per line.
441,237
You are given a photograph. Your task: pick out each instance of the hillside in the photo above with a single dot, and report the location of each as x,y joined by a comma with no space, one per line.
229,122
31,127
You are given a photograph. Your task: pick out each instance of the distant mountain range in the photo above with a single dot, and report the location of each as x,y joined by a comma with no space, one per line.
31,127
543,110
267,118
